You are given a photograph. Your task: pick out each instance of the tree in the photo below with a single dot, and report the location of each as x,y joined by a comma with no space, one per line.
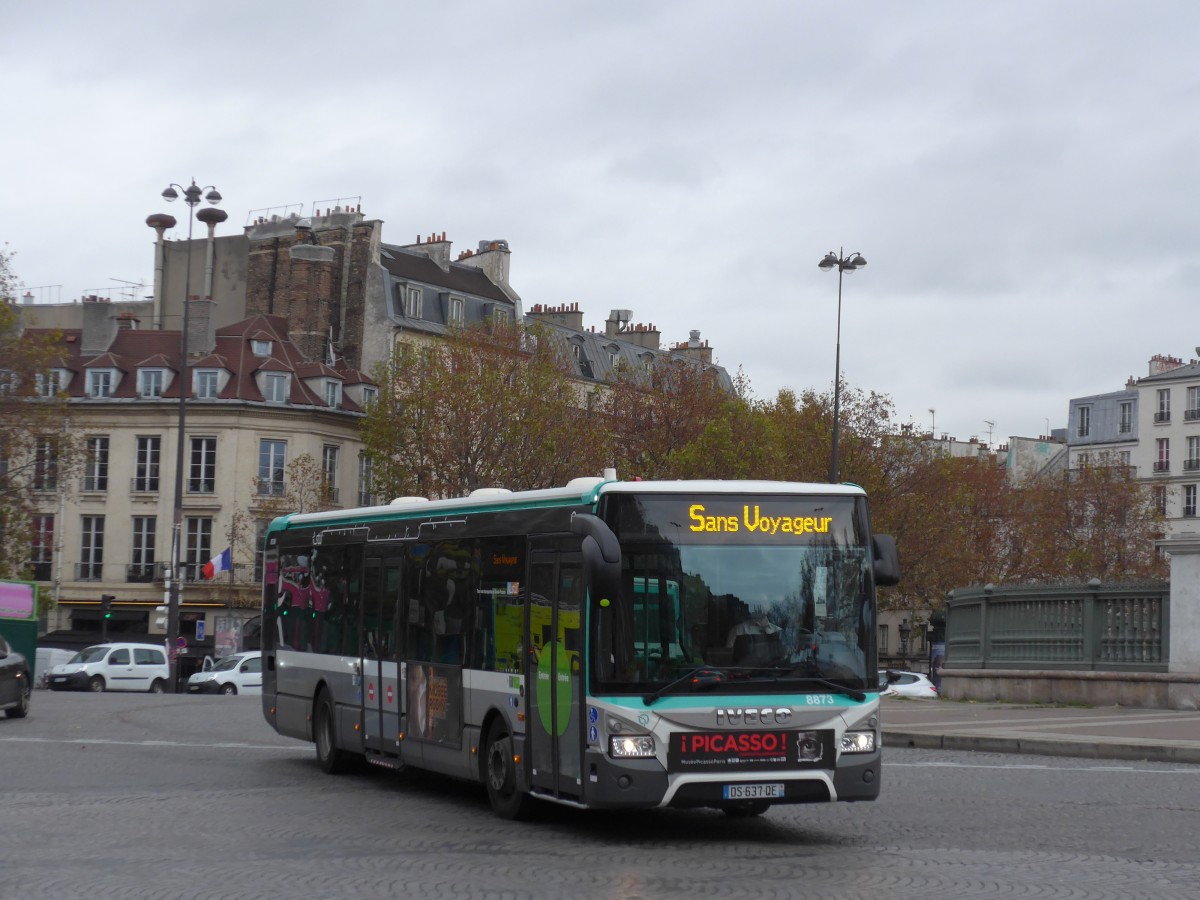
656,413
492,405
37,452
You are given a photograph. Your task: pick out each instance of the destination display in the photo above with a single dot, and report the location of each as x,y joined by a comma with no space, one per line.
716,519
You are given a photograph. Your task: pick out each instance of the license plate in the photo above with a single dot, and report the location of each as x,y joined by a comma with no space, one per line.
57,679
751,791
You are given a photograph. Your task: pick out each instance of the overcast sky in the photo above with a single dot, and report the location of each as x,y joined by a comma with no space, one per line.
1021,176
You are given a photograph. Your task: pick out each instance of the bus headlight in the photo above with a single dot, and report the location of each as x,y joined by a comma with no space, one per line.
631,746
858,742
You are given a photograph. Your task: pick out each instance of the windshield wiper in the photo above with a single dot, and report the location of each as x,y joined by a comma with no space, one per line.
701,677
808,672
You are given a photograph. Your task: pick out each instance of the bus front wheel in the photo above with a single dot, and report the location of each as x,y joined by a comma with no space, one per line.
331,760
500,775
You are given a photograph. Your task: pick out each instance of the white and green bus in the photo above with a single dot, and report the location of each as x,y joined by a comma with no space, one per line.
605,645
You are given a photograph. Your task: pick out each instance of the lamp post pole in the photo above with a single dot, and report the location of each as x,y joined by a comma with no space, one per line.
844,264
191,196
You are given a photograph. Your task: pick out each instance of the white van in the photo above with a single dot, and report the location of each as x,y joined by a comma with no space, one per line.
113,667
239,673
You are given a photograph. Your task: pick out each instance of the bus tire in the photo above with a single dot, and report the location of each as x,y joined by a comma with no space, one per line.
500,775
746,809
331,760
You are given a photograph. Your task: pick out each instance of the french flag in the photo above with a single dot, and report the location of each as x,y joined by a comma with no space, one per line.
222,562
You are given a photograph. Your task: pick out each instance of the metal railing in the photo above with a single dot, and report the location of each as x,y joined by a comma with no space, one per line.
1071,627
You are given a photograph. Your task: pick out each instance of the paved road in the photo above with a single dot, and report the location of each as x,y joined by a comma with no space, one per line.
164,796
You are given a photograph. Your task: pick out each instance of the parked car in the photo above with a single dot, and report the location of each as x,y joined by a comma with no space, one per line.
113,667
16,687
239,673
914,685
45,660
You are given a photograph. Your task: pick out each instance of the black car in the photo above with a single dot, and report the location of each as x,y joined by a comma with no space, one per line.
16,687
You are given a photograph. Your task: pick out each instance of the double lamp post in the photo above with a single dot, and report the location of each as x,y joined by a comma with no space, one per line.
191,196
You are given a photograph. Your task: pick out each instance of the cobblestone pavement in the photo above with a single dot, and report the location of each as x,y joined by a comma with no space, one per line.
164,796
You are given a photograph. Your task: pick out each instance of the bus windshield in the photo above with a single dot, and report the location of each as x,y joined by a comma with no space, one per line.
772,588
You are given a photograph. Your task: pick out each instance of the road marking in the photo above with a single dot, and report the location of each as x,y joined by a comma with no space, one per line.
106,741
1189,770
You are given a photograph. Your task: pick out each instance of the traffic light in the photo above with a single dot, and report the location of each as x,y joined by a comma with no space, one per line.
106,601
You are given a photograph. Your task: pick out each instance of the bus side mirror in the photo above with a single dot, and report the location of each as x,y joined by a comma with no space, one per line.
887,560
602,562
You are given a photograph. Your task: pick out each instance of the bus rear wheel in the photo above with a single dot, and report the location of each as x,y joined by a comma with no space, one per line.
331,760
500,775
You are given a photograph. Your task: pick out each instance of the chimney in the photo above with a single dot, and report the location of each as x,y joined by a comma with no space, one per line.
202,333
493,257
568,315
100,328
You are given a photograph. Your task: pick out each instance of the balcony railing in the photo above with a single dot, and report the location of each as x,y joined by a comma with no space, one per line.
1190,415
1191,465
202,486
366,498
92,484
143,573
89,571
145,484
41,571
268,488
1125,427
1161,466
1163,415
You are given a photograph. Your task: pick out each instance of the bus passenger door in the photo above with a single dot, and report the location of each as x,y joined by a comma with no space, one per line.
554,642
381,689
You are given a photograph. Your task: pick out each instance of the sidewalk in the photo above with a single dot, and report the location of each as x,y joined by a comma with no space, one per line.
1112,732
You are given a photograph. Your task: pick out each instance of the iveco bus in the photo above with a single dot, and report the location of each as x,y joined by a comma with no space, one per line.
606,645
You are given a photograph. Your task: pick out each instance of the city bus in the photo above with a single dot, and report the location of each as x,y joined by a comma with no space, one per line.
585,645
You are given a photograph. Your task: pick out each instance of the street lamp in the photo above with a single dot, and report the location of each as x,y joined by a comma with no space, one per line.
191,196
844,264
905,631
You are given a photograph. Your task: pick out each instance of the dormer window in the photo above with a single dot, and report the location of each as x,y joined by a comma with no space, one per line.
412,302
369,395
150,382
333,393
275,387
500,314
260,348
100,383
456,311
206,383
52,382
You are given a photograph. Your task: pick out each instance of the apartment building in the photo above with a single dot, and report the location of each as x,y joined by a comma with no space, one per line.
1168,453
255,404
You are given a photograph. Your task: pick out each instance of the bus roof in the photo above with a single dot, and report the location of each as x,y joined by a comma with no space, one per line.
579,491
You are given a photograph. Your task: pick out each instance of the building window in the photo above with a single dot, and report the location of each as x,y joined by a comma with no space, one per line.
1193,404
366,476
456,311
1085,421
412,303
329,468
1164,405
1125,458
91,548
145,463
99,383
45,465
50,383
275,387
95,464
260,348
369,396
204,383
272,457
333,393
1189,500
1191,462
8,382
260,537
1160,499
150,382
198,546
500,314
141,563
202,468
1126,424
1163,462
41,547
883,639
